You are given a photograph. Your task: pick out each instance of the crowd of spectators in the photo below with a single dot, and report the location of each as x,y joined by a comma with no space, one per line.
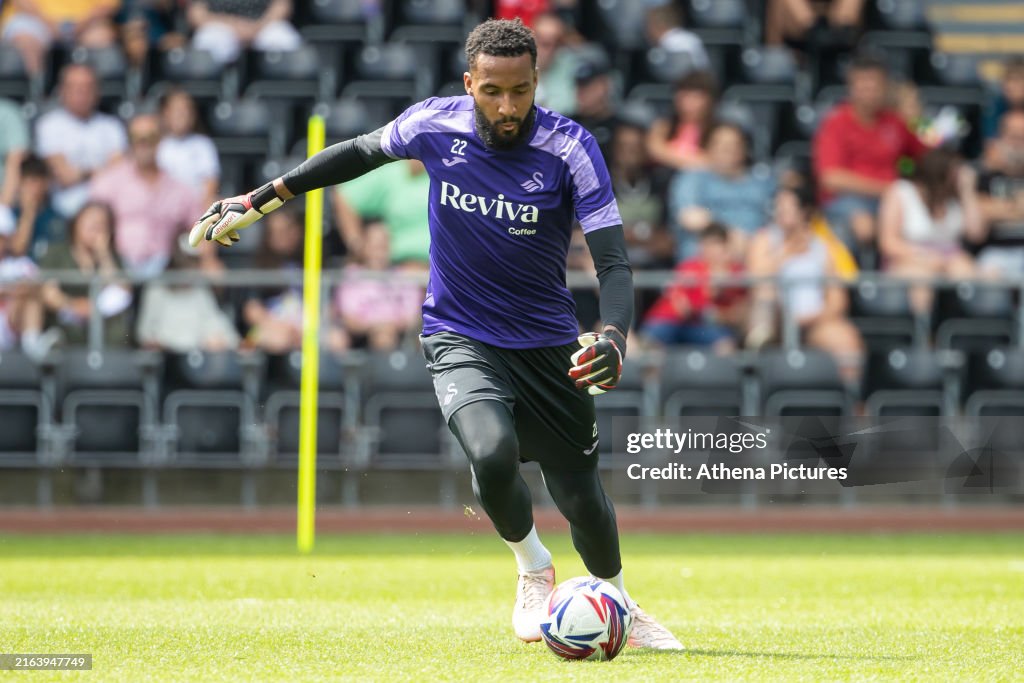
881,192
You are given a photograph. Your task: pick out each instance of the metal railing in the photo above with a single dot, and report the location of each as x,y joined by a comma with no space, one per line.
575,280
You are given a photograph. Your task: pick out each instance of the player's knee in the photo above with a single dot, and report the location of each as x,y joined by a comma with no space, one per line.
494,456
586,508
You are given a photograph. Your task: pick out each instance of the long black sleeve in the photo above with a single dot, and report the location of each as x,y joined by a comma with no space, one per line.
338,163
608,249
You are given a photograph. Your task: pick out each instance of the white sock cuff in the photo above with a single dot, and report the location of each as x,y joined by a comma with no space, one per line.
619,583
531,555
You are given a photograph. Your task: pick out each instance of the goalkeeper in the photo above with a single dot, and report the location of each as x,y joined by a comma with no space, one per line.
514,383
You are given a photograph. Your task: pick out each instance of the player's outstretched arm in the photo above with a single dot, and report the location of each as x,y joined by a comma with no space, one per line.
336,164
597,366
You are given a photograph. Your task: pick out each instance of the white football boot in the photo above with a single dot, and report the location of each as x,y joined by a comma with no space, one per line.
649,633
532,593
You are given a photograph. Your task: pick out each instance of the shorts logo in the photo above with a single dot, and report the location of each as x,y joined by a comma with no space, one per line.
452,393
591,449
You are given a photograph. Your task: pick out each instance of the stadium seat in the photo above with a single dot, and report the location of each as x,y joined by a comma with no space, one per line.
108,404
15,81
905,51
27,409
209,409
694,381
769,66
975,317
995,383
882,314
664,66
620,24
197,72
904,15
392,72
342,21
655,96
351,116
808,117
760,119
110,66
720,14
246,128
800,382
433,21
334,418
912,381
433,12
968,103
296,75
402,425
723,28
959,70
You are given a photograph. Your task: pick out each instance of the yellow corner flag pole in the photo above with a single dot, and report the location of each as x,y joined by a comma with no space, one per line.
310,350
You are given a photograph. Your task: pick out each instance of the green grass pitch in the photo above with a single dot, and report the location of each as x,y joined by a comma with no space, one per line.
438,607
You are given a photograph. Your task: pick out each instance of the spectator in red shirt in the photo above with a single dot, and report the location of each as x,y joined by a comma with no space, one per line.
695,310
856,153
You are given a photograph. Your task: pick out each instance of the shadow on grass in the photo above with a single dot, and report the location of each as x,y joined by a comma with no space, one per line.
786,655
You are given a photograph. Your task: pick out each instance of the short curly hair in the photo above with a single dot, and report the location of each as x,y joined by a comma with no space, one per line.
500,38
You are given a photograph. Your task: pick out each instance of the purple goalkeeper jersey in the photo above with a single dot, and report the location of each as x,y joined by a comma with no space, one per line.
501,221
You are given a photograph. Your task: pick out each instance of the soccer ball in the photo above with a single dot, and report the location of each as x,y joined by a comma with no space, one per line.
587,618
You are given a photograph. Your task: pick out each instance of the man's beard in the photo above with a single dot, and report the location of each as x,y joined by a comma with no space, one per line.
492,138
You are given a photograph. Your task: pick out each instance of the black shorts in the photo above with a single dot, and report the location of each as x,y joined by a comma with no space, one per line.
555,422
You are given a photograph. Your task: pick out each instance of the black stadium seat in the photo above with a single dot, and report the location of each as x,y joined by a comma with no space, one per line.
769,66
717,14
110,66
341,21
403,426
694,381
390,73
995,383
26,408
15,81
297,75
881,311
666,66
975,317
621,24
433,12
911,381
246,128
194,70
108,404
282,409
903,15
210,409
800,382
348,117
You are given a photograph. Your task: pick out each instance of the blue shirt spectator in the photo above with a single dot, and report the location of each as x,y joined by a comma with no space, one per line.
726,192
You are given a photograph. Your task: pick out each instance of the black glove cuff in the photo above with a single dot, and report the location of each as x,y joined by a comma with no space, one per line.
265,199
618,338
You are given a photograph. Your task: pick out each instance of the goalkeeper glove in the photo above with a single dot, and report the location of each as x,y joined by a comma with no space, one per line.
598,364
226,217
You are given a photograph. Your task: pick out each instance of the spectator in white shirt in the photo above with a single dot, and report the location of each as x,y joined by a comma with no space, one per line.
185,154
76,140
224,27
